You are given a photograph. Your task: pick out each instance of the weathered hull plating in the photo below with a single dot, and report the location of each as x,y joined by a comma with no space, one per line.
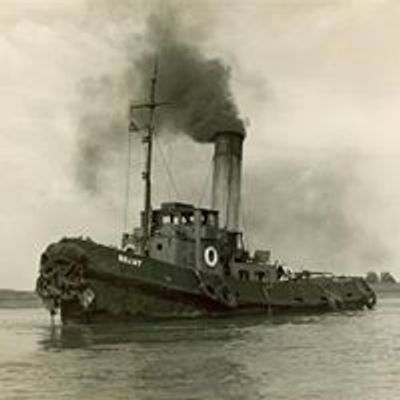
89,282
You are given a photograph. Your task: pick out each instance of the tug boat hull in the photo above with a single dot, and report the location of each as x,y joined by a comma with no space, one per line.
89,282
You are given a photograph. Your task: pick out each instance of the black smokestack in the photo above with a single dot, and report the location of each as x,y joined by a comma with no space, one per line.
196,86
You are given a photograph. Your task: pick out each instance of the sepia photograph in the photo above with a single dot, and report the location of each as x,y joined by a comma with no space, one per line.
200,199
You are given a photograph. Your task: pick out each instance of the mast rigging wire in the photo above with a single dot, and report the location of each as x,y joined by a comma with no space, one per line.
166,166
128,182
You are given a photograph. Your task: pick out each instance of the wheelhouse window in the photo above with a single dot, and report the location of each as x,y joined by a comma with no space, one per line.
209,219
244,275
260,275
166,219
212,220
188,218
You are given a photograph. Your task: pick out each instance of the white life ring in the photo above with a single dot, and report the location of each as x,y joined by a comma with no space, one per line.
129,248
211,256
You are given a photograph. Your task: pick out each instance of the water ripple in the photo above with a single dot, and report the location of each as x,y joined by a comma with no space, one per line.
333,356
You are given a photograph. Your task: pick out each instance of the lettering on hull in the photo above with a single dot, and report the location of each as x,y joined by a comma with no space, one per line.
135,262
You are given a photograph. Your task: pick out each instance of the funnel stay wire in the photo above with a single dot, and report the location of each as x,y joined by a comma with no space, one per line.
246,238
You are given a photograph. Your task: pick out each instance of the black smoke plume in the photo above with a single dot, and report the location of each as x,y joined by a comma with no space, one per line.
196,87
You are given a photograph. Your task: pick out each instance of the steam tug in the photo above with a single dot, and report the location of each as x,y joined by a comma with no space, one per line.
184,261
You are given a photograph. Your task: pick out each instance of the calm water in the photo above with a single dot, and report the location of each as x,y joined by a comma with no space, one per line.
336,356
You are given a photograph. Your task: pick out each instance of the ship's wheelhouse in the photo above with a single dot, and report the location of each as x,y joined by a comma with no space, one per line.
191,237
180,234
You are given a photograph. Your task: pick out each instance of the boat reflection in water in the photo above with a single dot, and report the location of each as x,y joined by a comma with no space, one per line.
175,359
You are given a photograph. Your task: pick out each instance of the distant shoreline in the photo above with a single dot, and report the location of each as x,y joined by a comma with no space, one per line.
386,289
11,298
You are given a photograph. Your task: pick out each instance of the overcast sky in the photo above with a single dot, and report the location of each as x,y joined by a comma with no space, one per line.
316,80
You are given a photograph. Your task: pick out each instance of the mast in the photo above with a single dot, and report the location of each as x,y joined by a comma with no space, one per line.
147,171
148,142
